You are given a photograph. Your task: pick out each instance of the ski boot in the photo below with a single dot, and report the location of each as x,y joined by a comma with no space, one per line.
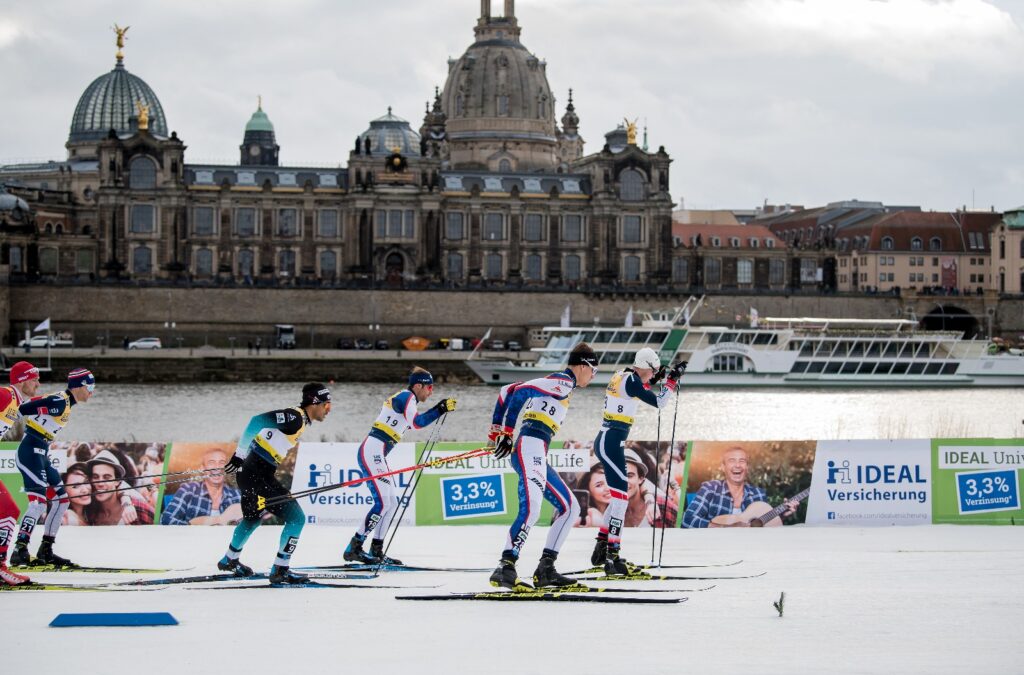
547,575
236,566
505,576
615,566
600,553
46,556
20,556
280,574
377,551
354,552
9,578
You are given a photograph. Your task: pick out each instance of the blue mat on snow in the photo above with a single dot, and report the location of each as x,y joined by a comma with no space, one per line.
114,619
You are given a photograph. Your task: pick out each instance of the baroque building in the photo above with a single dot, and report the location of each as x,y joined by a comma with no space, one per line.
491,190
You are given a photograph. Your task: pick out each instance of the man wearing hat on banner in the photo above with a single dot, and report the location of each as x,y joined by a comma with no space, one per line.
24,385
265,443
44,419
397,416
115,502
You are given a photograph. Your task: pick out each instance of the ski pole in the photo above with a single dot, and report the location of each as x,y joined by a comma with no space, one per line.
668,476
128,487
411,489
190,472
657,448
263,503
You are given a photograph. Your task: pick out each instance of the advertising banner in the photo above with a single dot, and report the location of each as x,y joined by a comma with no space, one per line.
748,483
321,464
977,480
208,498
866,483
11,477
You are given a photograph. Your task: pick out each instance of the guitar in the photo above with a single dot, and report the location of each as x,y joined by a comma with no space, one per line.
758,514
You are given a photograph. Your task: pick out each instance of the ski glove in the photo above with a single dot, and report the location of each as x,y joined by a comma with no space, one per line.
233,465
674,374
503,448
445,405
658,375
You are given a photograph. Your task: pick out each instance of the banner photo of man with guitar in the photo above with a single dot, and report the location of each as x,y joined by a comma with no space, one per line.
748,483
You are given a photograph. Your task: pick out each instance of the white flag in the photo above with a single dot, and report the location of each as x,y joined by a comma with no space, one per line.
486,335
629,318
753,318
45,325
566,317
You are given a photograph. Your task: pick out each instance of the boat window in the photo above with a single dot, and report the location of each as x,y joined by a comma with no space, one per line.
933,369
849,368
728,363
922,350
825,348
658,337
727,337
865,367
763,338
916,368
815,366
604,336
799,367
857,349
950,368
891,350
906,351
883,368
832,367
588,337
874,349
641,337
807,348
900,368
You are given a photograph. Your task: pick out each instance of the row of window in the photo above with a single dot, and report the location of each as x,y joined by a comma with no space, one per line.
878,349
744,271
203,262
1002,249
495,227
696,241
533,269
875,368
49,260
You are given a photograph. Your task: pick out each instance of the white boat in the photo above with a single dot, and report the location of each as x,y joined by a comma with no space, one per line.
779,352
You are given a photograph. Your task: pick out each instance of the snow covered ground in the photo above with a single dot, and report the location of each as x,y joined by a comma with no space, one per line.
933,599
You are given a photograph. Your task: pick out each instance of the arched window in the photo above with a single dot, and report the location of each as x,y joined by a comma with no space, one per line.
245,262
934,244
887,243
286,263
492,266
631,186
328,264
504,166
533,267
59,229
916,244
204,262
631,268
142,260
455,266
142,174
48,260
572,268
48,228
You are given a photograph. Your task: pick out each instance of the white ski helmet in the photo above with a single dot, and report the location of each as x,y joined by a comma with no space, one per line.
647,358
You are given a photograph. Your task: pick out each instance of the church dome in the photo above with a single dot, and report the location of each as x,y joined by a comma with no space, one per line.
259,121
498,101
110,101
389,134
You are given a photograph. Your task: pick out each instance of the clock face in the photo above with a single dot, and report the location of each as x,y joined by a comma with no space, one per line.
254,150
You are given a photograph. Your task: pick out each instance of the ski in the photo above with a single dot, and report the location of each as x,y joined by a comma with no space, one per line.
309,584
580,588
543,597
34,586
598,569
228,577
91,570
646,577
357,567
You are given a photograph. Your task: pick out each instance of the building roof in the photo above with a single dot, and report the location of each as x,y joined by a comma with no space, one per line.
526,184
259,121
214,176
390,133
729,236
110,101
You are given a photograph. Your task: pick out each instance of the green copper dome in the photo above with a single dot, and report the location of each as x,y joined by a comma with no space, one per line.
259,122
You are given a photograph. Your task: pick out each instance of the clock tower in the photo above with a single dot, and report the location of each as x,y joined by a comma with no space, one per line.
259,147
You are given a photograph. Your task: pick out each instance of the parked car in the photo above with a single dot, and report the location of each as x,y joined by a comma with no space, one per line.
146,343
363,343
513,346
41,341
381,344
497,345
285,336
346,343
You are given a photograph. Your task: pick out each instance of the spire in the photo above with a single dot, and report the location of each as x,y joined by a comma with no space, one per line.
570,120
645,134
259,101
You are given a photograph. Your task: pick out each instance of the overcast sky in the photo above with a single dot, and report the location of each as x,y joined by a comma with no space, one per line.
906,101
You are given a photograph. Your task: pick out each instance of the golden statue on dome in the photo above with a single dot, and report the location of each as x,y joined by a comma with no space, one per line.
120,40
143,115
630,131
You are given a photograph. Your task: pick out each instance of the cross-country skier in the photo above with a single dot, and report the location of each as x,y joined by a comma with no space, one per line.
44,419
626,390
24,385
544,403
397,415
264,444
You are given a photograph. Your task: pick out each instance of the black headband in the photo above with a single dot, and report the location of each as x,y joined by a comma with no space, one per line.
583,359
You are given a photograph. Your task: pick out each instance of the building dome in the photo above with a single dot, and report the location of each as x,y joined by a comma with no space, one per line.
9,202
110,101
497,100
259,121
389,134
